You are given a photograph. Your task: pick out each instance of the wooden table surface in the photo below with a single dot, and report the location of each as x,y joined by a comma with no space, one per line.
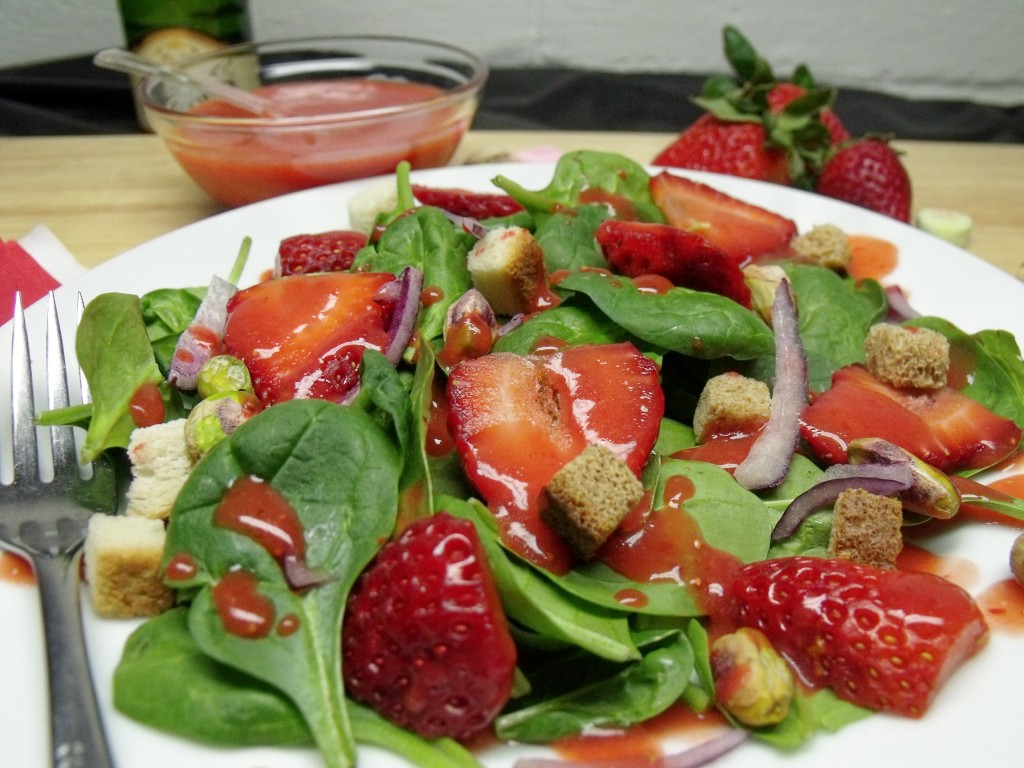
104,194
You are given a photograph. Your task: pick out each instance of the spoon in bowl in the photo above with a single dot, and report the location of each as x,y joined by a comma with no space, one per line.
121,60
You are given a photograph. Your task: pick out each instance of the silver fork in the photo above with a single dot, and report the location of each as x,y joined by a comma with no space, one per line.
45,520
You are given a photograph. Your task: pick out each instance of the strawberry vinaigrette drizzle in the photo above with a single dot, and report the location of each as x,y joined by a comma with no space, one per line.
666,544
146,406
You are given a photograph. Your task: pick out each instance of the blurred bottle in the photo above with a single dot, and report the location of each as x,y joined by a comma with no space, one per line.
167,31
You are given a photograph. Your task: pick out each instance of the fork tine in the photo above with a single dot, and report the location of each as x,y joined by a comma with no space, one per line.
83,383
25,449
62,439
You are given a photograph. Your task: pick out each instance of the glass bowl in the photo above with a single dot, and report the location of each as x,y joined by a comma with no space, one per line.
344,108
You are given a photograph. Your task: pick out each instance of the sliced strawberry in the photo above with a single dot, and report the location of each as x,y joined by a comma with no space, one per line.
942,427
885,640
516,420
635,248
425,641
463,202
304,335
331,251
741,229
719,146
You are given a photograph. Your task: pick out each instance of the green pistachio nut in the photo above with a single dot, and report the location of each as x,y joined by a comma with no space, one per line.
753,682
216,417
932,494
763,281
223,373
1017,558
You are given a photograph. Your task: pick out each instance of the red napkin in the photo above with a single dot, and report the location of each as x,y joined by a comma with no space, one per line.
36,265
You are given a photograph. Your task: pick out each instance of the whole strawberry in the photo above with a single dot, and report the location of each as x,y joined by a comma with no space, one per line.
733,148
868,173
425,641
332,251
885,640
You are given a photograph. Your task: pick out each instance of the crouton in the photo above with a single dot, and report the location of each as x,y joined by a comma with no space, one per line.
908,357
507,267
589,497
369,202
825,244
160,466
866,528
731,403
122,566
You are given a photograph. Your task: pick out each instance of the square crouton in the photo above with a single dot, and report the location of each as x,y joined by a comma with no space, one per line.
122,566
589,497
905,356
160,466
731,403
825,244
866,528
507,267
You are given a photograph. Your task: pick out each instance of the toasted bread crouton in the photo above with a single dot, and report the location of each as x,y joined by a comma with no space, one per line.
122,566
160,466
589,497
866,528
369,202
904,356
507,267
731,403
825,244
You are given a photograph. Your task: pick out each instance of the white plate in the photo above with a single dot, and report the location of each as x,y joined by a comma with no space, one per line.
974,719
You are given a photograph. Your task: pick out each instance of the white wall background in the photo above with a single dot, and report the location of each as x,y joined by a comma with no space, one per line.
957,49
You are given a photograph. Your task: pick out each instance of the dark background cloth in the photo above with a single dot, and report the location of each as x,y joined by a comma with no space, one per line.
71,96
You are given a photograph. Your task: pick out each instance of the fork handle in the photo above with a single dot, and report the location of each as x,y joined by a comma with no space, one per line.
76,726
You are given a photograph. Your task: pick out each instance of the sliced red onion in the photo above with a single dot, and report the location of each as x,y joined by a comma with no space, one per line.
695,757
769,458
300,576
880,479
512,323
407,309
899,307
201,340
467,224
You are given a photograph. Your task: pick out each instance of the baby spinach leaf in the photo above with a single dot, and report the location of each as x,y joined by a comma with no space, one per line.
730,518
575,321
809,713
200,699
340,472
167,312
637,692
568,239
116,359
577,172
203,700
694,323
427,240
993,361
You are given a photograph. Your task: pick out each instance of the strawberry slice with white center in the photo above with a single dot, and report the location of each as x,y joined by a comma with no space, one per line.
518,419
303,336
942,427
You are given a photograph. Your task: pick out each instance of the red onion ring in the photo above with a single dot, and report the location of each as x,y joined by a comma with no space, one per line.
467,223
880,479
407,309
899,307
194,347
767,463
